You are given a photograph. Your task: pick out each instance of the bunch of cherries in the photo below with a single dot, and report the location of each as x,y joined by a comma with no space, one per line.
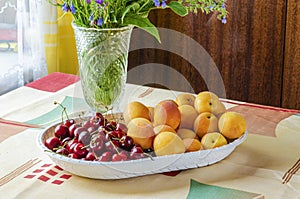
95,139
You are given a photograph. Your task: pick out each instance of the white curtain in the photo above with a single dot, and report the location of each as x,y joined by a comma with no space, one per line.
22,50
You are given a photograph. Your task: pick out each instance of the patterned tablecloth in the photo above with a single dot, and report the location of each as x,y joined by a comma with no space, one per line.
254,170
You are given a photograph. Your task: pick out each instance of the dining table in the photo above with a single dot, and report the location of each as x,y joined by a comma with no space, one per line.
264,166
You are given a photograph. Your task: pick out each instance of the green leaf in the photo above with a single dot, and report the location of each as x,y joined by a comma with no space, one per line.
134,6
143,23
178,8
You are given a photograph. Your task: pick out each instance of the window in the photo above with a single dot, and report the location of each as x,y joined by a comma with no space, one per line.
22,56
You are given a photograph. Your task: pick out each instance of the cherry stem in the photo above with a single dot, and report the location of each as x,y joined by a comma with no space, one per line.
64,111
114,147
150,156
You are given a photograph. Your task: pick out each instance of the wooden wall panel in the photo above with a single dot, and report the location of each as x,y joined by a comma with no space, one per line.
291,80
248,51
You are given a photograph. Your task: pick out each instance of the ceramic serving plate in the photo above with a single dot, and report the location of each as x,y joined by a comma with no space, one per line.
140,167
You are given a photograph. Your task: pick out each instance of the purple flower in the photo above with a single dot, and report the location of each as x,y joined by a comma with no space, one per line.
88,1
99,1
65,7
100,22
72,8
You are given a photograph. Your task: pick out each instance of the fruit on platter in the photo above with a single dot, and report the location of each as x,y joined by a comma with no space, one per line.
205,122
188,116
151,112
141,131
186,133
163,127
167,112
207,101
213,140
188,123
136,109
192,144
196,120
232,124
167,143
185,99
95,139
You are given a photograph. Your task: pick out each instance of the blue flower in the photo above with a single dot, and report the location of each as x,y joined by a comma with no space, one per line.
100,22
164,4
91,17
224,20
99,1
65,7
72,8
156,3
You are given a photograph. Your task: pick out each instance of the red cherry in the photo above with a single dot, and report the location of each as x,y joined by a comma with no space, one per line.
111,126
69,122
69,144
86,124
62,151
121,127
78,130
106,156
116,143
109,146
90,156
97,146
124,152
72,129
61,131
72,146
92,129
80,150
126,142
99,115
73,155
65,141
119,157
84,137
134,155
52,143
137,149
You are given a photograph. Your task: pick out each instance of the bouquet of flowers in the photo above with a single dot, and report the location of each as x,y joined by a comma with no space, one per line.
120,13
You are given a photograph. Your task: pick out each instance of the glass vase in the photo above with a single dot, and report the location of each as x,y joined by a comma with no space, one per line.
103,58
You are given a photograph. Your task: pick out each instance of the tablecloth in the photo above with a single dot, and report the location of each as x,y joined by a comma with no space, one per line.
253,170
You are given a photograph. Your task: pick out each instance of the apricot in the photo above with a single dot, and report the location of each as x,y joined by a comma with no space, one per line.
232,124
188,116
213,140
205,122
207,101
167,143
192,144
141,131
167,112
185,99
136,109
